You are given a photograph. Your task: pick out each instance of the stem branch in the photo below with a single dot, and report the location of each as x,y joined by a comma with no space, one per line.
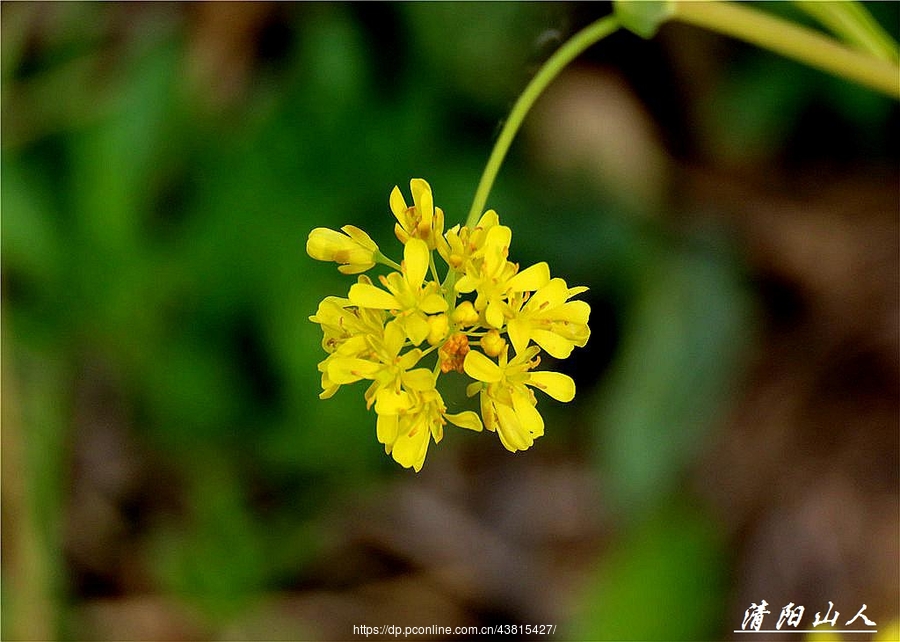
793,41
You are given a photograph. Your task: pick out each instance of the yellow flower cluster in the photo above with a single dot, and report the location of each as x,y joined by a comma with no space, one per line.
381,333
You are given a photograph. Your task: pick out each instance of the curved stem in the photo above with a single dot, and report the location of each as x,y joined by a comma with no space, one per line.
564,55
853,23
799,43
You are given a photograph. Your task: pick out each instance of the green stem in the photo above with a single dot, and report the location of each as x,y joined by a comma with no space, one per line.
853,23
564,55
782,37
381,258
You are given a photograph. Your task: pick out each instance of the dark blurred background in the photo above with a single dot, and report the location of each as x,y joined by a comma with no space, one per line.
168,470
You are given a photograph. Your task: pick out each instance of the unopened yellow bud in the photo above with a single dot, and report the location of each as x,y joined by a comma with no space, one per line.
465,314
353,249
438,326
492,343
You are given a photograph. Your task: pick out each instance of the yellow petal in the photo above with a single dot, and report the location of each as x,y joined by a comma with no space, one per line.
419,379
409,359
328,393
466,419
559,386
530,279
323,242
347,370
494,313
437,431
355,268
554,344
529,418
396,285
420,190
329,310
488,412
368,296
415,262
394,338
411,445
519,332
392,402
488,219
386,428
354,346
360,237
577,312
424,202
496,248
401,234
433,303
512,436
416,327
481,368
549,296
466,284
398,205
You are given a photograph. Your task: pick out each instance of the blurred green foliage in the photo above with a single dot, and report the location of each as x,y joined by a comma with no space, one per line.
154,228
667,581
151,230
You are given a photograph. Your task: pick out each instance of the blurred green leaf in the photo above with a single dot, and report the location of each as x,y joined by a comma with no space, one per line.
215,559
502,63
31,245
681,349
664,580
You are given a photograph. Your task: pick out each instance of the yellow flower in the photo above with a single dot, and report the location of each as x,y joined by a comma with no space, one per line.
354,249
409,420
461,244
340,320
408,298
551,320
494,278
382,363
375,332
507,404
344,331
352,348
423,220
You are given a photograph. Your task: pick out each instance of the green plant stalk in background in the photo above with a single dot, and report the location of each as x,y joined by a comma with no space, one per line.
792,41
873,64
855,25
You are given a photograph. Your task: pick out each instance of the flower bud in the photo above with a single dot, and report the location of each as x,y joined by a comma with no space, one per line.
353,249
492,343
438,326
465,314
